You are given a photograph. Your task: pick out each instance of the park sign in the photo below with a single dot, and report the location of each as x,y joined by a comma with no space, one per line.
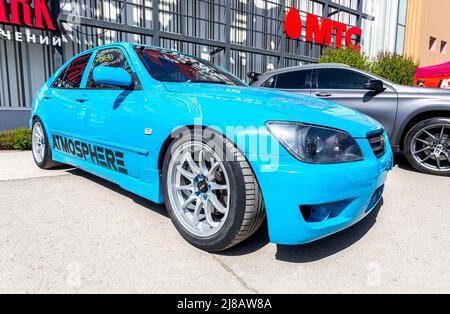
321,32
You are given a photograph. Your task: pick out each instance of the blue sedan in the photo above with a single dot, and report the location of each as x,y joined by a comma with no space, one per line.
222,156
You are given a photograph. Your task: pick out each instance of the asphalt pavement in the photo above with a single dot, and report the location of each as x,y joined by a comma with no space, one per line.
66,231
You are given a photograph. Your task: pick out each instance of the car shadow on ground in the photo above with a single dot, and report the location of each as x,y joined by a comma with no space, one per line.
160,209
313,251
294,254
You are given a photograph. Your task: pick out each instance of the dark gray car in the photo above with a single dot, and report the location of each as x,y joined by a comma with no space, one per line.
416,119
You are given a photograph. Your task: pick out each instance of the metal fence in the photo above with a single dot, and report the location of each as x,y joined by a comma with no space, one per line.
240,35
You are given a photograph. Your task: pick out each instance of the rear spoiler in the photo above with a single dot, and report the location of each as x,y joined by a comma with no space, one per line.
253,76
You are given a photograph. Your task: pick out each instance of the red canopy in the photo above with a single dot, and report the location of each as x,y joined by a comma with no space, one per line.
436,70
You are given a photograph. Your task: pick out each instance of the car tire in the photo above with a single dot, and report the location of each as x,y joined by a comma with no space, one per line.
42,152
427,146
240,211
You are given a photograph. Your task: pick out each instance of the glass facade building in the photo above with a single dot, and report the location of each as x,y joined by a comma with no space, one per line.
240,35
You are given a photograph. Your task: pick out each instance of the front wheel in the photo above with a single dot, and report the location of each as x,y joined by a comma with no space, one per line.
427,146
214,201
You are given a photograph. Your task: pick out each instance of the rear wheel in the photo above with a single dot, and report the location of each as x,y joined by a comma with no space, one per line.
214,203
41,149
427,146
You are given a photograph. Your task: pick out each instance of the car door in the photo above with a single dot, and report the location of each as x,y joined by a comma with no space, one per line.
112,120
294,81
346,87
60,112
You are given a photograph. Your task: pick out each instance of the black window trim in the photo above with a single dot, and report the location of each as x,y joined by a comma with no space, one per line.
67,66
315,79
308,82
136,81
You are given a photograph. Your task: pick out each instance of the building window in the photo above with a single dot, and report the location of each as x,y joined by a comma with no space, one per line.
443,47
401,26
432,44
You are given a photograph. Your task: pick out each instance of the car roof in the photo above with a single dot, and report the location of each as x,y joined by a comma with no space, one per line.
307,67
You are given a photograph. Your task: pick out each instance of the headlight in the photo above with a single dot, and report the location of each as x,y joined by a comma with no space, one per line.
315,144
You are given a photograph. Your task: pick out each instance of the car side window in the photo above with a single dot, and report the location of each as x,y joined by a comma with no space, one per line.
340,79
270,83
114,58
294,80
71,77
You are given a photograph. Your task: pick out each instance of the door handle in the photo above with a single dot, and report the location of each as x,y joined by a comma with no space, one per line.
324,94
47,97
82,99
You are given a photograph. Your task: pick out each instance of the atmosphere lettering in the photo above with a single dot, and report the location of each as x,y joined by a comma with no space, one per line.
104,157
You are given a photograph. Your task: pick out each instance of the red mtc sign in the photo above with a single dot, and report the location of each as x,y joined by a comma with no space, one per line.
320,33
22,13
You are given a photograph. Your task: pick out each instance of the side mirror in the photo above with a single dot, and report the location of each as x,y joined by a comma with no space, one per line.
375,85
253,76
115,77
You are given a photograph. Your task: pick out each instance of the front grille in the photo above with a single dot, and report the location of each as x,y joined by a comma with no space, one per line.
378,143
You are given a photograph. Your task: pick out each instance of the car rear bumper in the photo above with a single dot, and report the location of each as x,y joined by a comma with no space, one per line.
307,202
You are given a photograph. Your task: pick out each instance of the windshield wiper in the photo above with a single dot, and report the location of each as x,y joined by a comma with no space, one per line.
208,82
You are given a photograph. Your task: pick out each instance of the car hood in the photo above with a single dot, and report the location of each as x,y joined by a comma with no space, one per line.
264,104
435,93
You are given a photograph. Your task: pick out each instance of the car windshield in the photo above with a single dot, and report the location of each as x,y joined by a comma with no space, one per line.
170,66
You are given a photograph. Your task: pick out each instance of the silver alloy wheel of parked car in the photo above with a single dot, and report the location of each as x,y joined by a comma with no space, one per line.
430,147
199,189
38,142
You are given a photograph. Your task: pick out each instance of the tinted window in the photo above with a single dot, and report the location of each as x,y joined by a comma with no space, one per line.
114,58
340,79
73,74
294,80
170,66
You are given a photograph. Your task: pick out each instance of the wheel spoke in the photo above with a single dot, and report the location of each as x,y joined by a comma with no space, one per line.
195,169
216,203
189,187
218,187
428,157
208,214
188,201
196,217
39,131
423,141
429,134
438,162
213,170
186,174
202,163
422,150
442,132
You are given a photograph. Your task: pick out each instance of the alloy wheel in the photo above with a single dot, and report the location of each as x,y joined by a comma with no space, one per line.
199,189
38,142
430,147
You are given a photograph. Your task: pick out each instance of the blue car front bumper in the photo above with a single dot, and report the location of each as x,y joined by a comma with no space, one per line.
307,202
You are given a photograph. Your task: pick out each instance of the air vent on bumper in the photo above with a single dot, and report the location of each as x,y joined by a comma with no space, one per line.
378,143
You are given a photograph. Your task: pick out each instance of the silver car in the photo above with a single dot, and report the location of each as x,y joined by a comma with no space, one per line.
416,119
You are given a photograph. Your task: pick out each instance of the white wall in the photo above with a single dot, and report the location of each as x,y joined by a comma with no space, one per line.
380,35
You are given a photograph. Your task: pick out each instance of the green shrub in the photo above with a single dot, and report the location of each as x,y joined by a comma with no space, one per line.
391,66
395,68
347,56
19,139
